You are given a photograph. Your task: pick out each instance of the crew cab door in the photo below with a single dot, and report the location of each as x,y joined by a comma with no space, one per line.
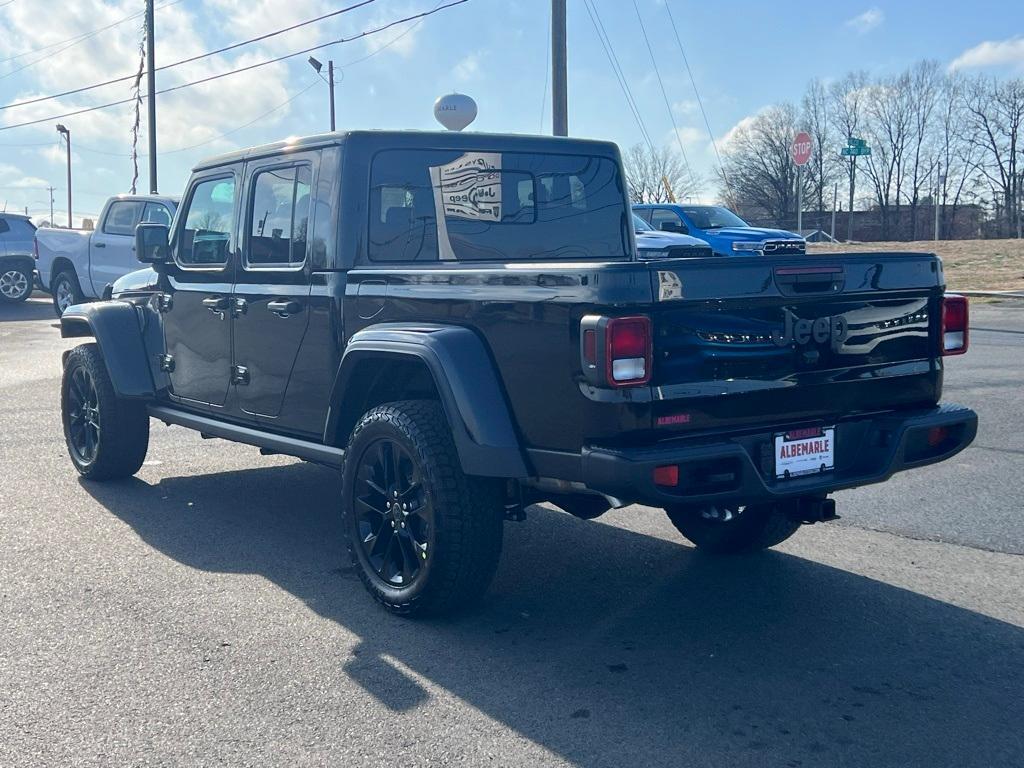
272,283
112,245
196,304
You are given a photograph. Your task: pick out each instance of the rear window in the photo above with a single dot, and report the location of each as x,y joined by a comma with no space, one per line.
430,205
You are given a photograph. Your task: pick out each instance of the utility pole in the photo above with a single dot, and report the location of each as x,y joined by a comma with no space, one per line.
151,89
330,84
66,133
315,64
938,188
849,214
835,196
559,77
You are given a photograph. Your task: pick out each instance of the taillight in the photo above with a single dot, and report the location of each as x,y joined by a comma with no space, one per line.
628,341
35,250
955,325
616,351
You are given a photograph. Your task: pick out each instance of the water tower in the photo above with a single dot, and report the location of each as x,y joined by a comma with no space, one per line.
455,111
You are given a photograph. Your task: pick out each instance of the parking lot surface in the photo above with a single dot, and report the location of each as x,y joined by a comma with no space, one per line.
203,614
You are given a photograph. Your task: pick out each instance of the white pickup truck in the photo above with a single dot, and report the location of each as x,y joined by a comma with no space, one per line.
76,265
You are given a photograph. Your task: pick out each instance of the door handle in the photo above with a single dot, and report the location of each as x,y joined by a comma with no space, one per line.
217,304
284,307
99,245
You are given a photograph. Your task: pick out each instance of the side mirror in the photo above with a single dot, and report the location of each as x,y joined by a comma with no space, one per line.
151,243
674,226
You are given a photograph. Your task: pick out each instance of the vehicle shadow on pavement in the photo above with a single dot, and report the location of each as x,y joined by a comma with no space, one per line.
609,647
33,309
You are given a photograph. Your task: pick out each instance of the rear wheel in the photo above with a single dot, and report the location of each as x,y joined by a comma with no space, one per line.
66,291
727,530
423,536
15,283
107,436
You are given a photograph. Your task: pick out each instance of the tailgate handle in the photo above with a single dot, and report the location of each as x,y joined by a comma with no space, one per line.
809,280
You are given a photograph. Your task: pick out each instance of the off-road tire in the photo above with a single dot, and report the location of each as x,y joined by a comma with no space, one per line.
123,431
18,280
467,515
71,279
756,527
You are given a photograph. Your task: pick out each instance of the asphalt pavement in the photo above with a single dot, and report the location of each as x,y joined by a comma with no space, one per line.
202,614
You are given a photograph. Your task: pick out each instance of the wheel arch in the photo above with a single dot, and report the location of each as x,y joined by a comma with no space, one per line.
395,361
62,264
116,327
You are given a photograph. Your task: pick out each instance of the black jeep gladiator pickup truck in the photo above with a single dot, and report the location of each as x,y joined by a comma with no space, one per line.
461,325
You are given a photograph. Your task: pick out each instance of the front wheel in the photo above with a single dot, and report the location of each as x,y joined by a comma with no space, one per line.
15,283
107,436
423,537
729,530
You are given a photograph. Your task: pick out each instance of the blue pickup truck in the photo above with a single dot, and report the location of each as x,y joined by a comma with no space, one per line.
723,230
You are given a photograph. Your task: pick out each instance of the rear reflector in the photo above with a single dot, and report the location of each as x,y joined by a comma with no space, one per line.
955,325
667,475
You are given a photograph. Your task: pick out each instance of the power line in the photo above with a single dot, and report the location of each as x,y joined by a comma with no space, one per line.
365,33
700,102
661,84
72,41
189,60
620,76
236,129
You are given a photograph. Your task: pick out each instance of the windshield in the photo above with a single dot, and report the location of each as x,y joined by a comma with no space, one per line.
639,225
712,217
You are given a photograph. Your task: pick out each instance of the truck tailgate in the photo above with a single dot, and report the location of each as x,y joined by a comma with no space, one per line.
743,341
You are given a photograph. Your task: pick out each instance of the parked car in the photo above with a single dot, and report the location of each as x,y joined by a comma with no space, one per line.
652,244
723,230
457,323
77,265
17,267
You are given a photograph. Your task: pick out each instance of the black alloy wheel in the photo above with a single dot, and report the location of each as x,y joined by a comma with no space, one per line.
393,513
83,416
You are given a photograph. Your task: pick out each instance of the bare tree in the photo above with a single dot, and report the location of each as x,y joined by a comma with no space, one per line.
925,85
888,129
956,153
648,169
756,160
995,111
823,166
848,98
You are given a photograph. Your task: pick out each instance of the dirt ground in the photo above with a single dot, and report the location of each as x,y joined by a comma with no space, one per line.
978,265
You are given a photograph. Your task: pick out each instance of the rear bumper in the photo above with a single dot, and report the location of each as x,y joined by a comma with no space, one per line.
740,469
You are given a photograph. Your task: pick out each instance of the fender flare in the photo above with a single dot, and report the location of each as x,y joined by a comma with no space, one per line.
116,327
466,380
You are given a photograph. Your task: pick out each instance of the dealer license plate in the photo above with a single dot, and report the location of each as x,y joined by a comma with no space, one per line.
804,451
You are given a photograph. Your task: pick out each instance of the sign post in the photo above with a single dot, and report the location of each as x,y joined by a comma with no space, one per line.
854,148
801,153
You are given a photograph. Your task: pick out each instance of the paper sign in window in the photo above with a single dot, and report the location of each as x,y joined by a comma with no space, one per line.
468,188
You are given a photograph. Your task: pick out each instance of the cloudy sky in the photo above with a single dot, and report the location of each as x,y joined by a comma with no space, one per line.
744,55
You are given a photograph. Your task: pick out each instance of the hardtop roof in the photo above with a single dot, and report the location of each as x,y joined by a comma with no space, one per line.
408,139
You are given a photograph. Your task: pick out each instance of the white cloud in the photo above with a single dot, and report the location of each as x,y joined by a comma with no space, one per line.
865,22
992,53
685,107
744,124
468,68
399,39
689,136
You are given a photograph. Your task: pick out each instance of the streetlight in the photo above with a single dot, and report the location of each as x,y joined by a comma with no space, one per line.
315,64
66,133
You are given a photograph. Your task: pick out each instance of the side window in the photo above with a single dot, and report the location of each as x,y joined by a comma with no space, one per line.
643,213
156,213
122,217
279,219
4,226
662,215
206,236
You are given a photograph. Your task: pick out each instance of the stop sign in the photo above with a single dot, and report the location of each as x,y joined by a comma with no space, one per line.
801,149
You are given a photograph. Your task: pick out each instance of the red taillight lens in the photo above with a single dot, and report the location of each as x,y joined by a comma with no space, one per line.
590,346
628,350
955,325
